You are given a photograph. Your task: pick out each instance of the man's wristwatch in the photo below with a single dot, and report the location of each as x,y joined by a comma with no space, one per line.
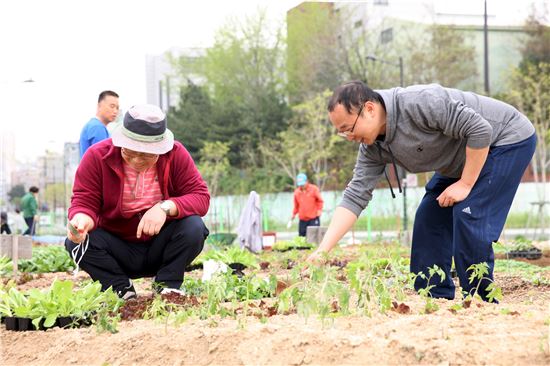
166,207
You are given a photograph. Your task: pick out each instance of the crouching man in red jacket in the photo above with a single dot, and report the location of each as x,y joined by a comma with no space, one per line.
136,208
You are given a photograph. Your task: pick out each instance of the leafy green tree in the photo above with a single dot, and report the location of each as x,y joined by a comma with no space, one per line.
214,164
530,92
307,142
313,63
190,119
441,55
536,49
244,73
359,42
16,192
54,195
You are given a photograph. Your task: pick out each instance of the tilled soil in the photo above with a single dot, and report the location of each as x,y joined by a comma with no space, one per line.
514,332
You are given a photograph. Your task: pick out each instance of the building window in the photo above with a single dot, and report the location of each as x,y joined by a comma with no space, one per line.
386,36
381,2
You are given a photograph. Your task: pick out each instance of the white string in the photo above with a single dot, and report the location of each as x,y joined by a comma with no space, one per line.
74,253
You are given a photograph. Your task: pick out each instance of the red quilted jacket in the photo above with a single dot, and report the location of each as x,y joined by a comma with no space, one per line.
99,182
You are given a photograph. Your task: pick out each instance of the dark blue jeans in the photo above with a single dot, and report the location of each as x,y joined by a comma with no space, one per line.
302,225
112,261
467,230
31,226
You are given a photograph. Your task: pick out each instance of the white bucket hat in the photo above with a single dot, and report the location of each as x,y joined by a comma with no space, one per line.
144,130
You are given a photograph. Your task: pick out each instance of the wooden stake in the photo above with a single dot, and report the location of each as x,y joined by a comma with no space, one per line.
15,253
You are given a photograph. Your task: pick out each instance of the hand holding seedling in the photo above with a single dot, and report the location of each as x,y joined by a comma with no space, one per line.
151,222
78,227
316,257
454,193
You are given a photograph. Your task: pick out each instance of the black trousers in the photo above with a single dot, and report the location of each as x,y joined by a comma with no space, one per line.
303,225
5,228
112,261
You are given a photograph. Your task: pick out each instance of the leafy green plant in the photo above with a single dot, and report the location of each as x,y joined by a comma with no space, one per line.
377,281
521,244
105,321
51,258
5,266
11,299
296,242
430,305
478,273
192,286
226,288
322,294
158,309
499,247
229,255
528,272
60,300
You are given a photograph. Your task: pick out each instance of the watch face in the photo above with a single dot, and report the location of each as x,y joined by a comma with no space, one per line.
165,206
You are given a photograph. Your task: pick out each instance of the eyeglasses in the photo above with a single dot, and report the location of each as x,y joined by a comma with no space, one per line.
130,154
346,134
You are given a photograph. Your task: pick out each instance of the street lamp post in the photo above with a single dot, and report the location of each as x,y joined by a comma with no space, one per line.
486,51
403,172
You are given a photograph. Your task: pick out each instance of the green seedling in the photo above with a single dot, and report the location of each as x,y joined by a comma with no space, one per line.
322,294
5,266
478,273
430,305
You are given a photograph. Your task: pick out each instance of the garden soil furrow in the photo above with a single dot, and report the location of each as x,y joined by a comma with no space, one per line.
394,338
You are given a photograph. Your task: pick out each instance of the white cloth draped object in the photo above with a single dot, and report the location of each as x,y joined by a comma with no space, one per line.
249,230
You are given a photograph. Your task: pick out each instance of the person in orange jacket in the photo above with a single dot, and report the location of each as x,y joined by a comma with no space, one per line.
308,204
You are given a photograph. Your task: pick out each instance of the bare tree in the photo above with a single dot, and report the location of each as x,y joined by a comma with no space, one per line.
530,92
307,143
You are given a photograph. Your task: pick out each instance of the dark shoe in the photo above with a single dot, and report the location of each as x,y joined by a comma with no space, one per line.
127,293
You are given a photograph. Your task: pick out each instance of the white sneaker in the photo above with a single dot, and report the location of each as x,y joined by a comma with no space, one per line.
167,290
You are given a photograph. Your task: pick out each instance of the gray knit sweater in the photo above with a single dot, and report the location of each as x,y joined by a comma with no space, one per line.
427,129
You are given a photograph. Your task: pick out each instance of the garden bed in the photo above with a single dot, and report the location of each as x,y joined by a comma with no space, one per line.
479,334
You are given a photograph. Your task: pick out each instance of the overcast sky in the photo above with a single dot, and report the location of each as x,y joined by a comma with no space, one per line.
73,49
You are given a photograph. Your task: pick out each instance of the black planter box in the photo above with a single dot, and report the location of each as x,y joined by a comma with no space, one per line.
24,324
531,253
11,323
66,322
41,325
